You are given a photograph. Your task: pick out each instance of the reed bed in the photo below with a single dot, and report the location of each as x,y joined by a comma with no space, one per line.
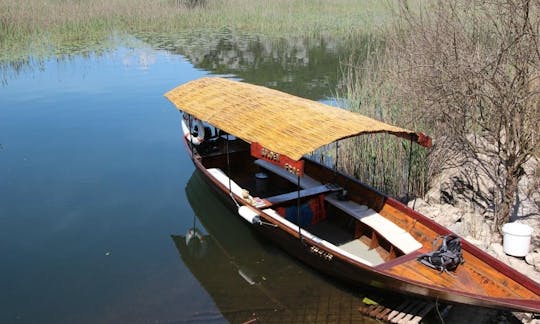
35,26
277,17
389,164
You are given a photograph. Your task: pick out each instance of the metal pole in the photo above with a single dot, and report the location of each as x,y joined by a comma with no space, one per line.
190,136
298,209
337,156
228,165
409,171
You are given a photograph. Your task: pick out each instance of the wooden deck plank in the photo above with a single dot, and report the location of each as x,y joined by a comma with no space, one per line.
376,311
397,310
384,313
408,311
422,313
404,312
473,277
412,313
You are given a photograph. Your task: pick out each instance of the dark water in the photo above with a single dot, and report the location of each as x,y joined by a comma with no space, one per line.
94,187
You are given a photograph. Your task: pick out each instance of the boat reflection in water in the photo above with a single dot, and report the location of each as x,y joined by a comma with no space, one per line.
249,278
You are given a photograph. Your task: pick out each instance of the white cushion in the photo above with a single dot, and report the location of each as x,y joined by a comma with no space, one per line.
393,233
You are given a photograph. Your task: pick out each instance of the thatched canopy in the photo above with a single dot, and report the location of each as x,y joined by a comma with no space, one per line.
281,122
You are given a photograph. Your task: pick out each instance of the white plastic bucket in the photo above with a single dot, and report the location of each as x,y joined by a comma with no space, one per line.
517,238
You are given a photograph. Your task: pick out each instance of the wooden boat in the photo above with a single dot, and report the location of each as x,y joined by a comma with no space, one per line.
250,143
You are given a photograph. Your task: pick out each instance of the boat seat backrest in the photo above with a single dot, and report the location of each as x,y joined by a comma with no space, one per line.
220,176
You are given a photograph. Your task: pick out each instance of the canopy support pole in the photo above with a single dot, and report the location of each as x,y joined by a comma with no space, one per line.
337,156
409,170
229,173
229,166
190,136
298,210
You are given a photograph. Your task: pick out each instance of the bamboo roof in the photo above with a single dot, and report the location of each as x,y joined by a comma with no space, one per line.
281,122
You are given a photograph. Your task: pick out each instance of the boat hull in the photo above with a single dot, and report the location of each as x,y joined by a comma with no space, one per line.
315,255
303,250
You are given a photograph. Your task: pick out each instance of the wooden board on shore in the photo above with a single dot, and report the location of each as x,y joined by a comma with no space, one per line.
409,311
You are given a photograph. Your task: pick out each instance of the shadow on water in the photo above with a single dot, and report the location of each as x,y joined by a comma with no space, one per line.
247,277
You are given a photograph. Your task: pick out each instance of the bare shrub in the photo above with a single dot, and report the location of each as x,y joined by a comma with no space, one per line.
471,69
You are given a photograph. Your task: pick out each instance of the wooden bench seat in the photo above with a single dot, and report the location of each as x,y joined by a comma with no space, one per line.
304,193
394,234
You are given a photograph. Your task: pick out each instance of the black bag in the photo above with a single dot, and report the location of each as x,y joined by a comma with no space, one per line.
447,257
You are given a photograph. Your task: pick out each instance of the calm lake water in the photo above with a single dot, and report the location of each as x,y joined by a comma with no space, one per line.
98,194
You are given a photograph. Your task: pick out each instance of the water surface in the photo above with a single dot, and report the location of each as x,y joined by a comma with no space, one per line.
93,176
93,202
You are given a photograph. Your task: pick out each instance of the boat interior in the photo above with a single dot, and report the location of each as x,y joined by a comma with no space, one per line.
329,205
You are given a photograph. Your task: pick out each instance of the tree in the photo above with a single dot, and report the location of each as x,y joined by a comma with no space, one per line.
473,69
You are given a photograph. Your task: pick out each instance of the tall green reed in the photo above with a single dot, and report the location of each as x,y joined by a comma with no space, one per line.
392,165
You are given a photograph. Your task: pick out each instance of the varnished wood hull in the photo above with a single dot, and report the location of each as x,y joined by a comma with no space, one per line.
482,280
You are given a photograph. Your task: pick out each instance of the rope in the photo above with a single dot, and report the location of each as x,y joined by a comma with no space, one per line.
234,200
437,309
